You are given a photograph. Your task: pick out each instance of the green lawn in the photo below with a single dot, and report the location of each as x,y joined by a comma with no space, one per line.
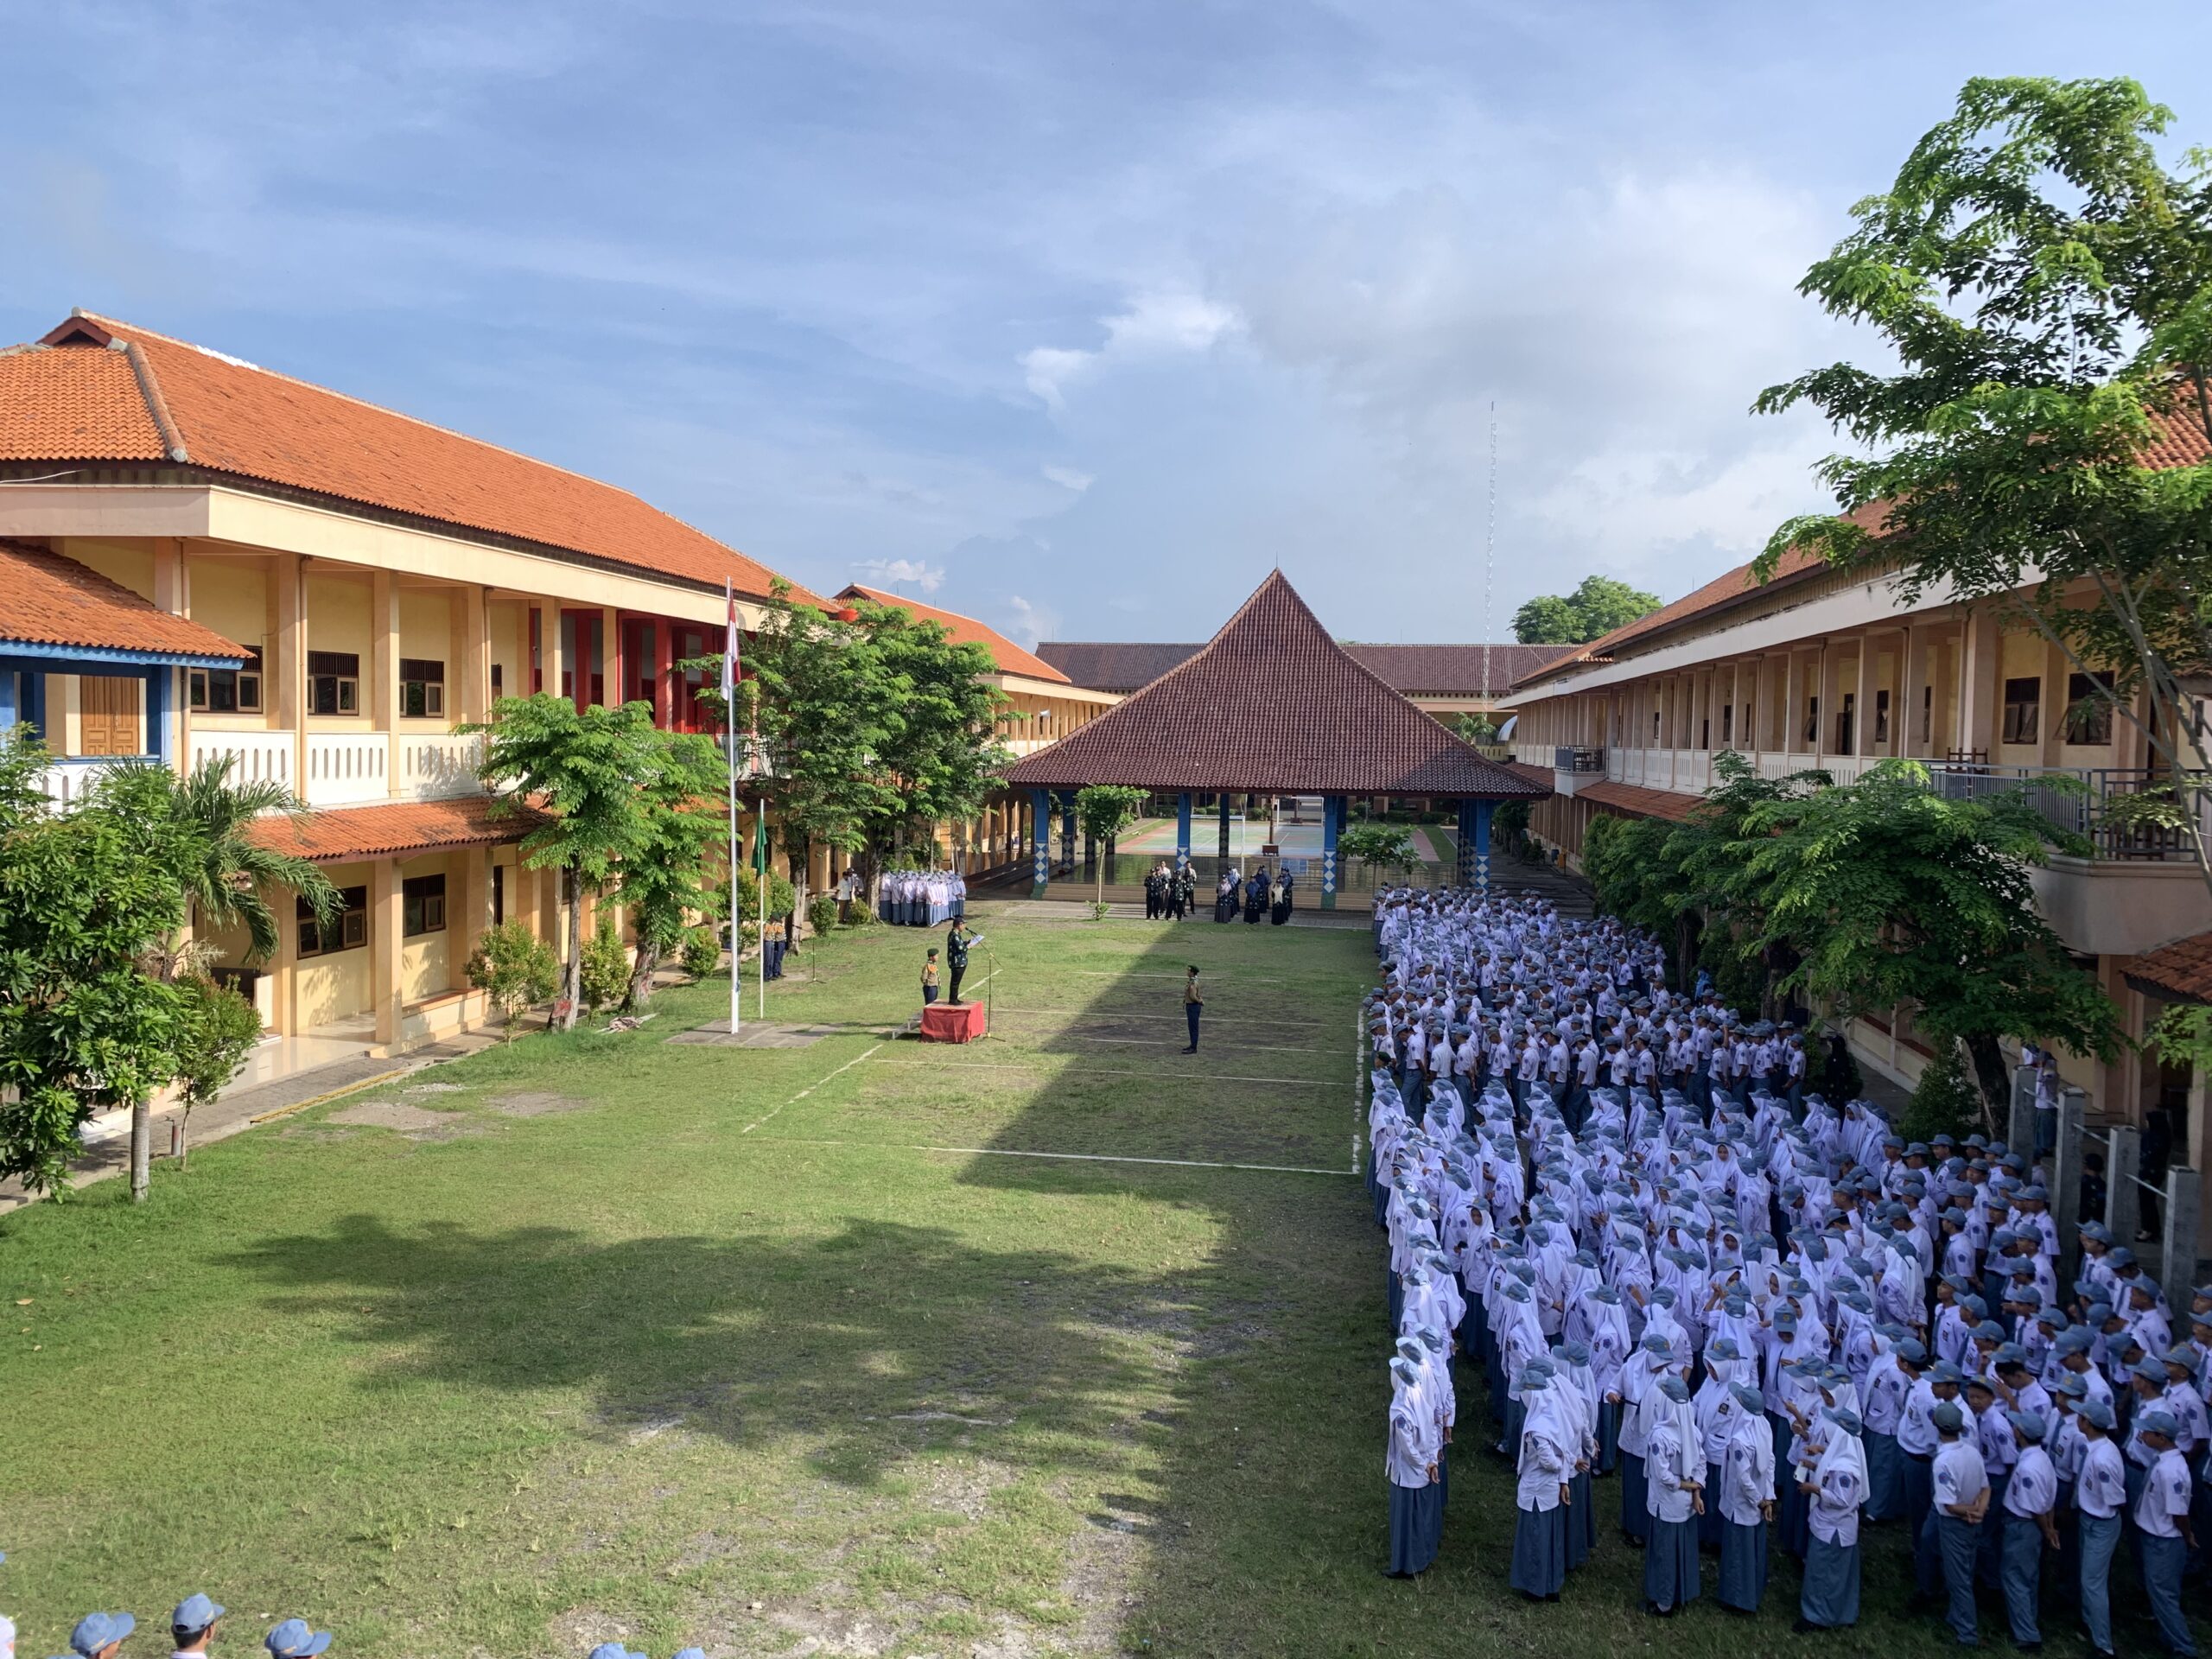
781,1352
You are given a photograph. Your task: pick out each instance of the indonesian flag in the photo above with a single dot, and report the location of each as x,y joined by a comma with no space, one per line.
730,639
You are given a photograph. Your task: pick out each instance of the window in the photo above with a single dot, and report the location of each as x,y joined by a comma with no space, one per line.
1927,711
1881,716
1843,723
2088,715
333,682
498,895
499,682
1727,723
1812,722
348,931
423,906
227,691
422,688
2023,709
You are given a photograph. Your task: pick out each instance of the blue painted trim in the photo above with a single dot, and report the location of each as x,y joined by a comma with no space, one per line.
7,698
1183,830
1482,810
1040,870
62,659
160,682
1331,812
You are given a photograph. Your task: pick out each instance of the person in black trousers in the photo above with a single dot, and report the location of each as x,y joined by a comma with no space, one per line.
1194,1003
956,957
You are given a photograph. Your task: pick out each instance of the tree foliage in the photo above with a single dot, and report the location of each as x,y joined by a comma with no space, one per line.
1104,811
2043,282
215,1030
515,970
1378,845
1597,606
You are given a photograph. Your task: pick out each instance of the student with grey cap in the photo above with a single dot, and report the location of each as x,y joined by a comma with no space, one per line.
100,1635
2164,1536
1944,1558
294,1639
2100,1496
2030,1526
191,1626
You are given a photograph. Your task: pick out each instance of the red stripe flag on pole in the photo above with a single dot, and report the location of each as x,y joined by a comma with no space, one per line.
729,740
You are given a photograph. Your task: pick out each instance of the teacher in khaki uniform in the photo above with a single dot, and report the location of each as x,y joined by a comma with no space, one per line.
1194,1003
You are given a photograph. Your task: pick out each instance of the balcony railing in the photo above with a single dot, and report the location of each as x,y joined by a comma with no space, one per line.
2078,800
1577,759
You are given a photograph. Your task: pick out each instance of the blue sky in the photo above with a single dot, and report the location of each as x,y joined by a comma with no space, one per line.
1077,317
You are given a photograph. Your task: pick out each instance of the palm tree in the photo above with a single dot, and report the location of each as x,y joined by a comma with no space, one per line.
231,879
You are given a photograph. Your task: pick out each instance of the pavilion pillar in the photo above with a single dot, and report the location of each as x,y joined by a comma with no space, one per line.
1224,826
1067,828
1464,868
1183,830
1483,810
8,699
1331,810
159,682
1041,820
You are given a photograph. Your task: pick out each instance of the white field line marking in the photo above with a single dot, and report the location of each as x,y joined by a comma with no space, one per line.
1110,973
809,1089
1359,1075
1169,1042
1140,1013
1184,1077
1073,1157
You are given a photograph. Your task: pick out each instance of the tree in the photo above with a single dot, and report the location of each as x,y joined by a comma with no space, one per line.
606,975
590,774
1104,811
515,970
665,882
232,875
1475,728
85,894
1892,896
2044,285
1378,845
1597,606
216,1029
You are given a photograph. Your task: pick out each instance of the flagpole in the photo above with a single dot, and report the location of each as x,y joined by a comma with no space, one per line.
730,744
762,821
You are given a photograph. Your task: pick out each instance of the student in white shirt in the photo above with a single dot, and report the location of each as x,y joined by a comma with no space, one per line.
1543,1466
1836,1488
2163,1530
1944,1558
2030,1526
1746,1498
1674,1468
2100,1494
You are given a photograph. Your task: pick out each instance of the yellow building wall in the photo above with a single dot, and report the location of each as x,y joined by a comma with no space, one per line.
425,961
334,986
130,564
232,597
508,623
426,625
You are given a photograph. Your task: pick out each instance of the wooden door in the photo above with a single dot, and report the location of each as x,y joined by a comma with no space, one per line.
108,714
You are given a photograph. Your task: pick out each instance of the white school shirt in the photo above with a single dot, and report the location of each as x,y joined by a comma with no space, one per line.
1747,1474
1672,1460
1586,1065
2101,1490
1960,1477
1840,1479
2033,1489
1542,1464
2165,1495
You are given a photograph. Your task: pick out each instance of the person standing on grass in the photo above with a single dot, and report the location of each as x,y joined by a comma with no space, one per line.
2162,1532
1944,1557
955,956
2031,1497
1194,1004
2101,1496
191,1626
928,980
1674,1468
1746,1501
1543,1462
99,1635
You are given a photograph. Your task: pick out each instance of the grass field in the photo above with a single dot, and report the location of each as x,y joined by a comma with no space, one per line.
787,1350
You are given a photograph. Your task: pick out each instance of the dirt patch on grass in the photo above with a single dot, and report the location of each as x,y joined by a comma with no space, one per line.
411,1121
536,1103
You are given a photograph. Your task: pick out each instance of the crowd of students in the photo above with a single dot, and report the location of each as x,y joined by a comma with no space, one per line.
1765,1319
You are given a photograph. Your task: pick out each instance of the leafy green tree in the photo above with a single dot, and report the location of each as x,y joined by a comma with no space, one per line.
2041,283
703,953
664,882
1597,606
232,875
1475,728
592,776
216,1029
515,970
1378,845
605,976
1889,895
1104,811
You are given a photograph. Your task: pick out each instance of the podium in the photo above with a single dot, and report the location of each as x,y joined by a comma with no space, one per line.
943,1022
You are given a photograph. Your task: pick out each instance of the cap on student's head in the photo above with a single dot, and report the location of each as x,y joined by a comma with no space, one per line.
2157,1422
195,1613
1912,1352
1674,1387
2028,1425
2120,1256
1948,1417
2009,1354
1845,1419
1723,1348
2097,1412
292,1639
1403,1369
2069,1387
2184,1358
1576,1353
1748,1397
1655,1343
1533,1380
1945,1371
2151,1371
97,1631
1989,1331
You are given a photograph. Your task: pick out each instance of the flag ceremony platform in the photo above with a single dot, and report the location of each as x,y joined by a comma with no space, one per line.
952,1022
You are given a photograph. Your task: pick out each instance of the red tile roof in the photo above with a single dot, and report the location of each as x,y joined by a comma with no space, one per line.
1272,703
1640,803
2181,969
400,827
2180,442
964,630
1445,671
165,400
46,600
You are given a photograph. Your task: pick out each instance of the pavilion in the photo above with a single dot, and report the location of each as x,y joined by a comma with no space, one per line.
1273,705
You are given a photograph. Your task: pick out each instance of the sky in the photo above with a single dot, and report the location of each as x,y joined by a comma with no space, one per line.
1076,317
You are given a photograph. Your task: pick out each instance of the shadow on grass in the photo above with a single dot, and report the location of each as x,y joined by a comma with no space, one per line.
755,1340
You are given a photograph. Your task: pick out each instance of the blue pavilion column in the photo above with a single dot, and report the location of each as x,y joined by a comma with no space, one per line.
1183,830
1483,810
158,683
1332,816
1067,826
1224,823
7,698
1040,831
32,707
1462,870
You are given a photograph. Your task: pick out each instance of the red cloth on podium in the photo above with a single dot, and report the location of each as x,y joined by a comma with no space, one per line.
943,1022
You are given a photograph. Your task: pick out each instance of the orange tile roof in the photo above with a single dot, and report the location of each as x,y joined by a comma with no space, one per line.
165,399
966,631
1640,803
399,827
46,600
2182,969
2180,442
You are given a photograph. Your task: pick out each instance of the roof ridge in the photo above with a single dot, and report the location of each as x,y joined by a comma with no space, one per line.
150,388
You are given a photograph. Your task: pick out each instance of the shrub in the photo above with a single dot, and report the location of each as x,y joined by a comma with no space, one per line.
216,1028
701,952
515,968
822,912
606,967
1943,1101
1099,910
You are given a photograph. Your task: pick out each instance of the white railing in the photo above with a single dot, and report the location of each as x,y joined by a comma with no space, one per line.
256,756
347,768
439,765
66,781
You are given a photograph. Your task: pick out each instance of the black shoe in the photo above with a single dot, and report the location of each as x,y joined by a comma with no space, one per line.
1804,1626
1193,1050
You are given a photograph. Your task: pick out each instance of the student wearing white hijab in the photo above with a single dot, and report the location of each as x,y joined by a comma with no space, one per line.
1411,1463
1829,1599
1675,1468
1543,1466
1639,1398
1746,1503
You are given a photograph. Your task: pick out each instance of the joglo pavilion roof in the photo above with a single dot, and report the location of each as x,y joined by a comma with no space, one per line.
1272,704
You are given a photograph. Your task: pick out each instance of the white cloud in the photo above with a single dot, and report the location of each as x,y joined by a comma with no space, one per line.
901,573
1067,478
1031,622
1154,324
